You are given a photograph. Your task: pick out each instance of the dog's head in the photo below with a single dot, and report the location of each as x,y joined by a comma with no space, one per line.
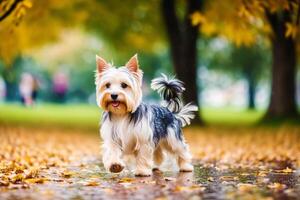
118,90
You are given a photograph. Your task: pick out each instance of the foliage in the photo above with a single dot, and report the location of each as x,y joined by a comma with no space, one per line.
242,22
17,8
126,37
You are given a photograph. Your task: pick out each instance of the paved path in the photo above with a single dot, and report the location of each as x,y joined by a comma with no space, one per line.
45,164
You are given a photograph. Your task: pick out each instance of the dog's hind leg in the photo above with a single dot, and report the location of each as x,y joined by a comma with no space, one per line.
178,147
158,157
184,159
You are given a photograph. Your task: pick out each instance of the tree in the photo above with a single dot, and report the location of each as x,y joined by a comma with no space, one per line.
182,37
249,63
278,20
252,63
283,90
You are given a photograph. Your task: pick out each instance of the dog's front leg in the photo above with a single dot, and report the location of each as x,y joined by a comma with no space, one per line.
112,154
144,160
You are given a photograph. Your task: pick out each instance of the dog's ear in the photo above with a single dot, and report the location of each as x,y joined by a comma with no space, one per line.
133,64
102,65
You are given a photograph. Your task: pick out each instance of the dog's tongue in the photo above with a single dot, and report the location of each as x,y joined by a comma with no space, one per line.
115,103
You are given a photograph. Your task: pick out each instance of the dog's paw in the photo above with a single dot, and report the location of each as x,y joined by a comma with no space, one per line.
186,167
155,169
143,173
116,168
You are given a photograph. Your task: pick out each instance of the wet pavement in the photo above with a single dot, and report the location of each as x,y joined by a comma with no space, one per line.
88,180
243,163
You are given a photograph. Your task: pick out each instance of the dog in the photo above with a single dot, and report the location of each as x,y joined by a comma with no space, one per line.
132,127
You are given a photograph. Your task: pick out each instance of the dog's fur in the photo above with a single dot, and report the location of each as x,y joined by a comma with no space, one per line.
131,127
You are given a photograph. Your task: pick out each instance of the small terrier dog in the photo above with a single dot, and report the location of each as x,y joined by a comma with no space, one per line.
131,127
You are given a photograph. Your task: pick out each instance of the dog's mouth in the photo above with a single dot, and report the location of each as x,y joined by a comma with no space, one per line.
115,104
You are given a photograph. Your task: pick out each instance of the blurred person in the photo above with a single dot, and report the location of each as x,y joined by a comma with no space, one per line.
26,88
35,89
2,89
60,86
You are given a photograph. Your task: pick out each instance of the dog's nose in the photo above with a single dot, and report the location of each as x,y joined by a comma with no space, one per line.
114,96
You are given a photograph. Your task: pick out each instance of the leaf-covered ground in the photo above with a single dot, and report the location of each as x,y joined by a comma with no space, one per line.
241,163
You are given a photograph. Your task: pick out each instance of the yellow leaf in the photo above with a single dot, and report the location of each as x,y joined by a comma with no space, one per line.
291,30
35,180
188,188
287,170
243,187
67,174
262,173
27,3
17,177
277,186
208,29
126,180
243,12
197,18
91,183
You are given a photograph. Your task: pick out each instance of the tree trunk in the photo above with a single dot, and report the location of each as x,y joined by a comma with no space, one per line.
251,90
283,90
183,47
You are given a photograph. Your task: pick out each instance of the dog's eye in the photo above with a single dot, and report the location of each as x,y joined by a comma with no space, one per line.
107,85
124,85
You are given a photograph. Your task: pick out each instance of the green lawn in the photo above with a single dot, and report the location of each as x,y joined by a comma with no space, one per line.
87,117
50,115
231,116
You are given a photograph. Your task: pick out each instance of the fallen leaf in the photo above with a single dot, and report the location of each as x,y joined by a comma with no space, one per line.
67,174
287,170
36,180
188,188
229,178
4,183
170,179
91,183
126,180
244,187
277,186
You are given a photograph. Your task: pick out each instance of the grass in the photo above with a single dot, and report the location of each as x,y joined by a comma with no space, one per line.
230,116
78,116
83,116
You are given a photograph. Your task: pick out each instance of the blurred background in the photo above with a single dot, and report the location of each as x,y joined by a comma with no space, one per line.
238,59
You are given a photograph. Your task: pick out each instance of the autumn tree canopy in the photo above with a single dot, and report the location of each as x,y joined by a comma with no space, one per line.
244,22
22,23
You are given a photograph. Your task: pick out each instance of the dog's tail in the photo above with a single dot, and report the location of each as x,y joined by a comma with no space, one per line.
186,114
170,89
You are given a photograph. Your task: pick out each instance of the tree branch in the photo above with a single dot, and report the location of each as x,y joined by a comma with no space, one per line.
10,10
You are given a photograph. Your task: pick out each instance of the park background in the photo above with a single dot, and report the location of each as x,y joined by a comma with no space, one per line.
238,60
